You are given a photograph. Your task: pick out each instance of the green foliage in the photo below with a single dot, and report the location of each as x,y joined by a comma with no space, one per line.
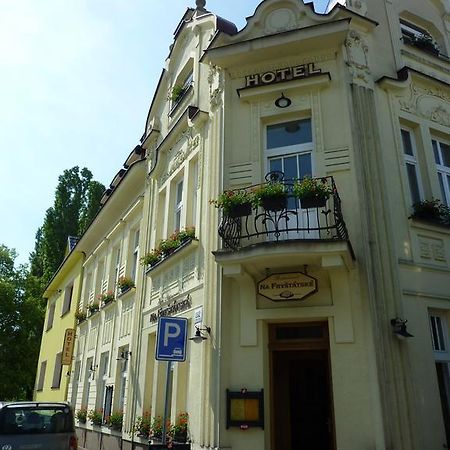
115,420
432,211
228,200
178,431
271,189
143,425
95,416
77,200
21,320
177,93
167,246
81,415
312,188
125,283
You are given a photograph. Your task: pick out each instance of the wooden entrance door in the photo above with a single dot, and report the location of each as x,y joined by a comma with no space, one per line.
301,395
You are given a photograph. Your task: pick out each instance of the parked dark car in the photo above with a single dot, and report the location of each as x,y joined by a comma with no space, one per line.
37,425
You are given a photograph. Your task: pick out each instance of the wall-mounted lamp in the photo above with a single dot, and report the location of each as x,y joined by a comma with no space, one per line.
399,328
283,102
124,355
199,335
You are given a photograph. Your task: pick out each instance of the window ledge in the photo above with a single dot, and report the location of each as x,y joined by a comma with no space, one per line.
175,255
125,293
430,224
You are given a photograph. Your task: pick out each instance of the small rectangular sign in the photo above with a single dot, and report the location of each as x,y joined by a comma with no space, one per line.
69,341
171,339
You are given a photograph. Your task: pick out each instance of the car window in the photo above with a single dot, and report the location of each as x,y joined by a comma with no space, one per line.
35,420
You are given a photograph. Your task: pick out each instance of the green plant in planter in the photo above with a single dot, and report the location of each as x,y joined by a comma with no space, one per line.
156,427
95,416
115,420
81,415
178,431
234,203
271,196
432,210
151,258
143,424
93,307
185,234
105,298
80,316
425,42
125,283
312,192
177,93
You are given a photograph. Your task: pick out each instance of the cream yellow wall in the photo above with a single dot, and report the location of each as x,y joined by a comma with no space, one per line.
52,339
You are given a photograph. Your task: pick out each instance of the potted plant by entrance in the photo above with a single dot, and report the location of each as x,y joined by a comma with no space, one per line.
115,420
95,416
234,203
81,415
142,425
312,192
272,196
125,284
178,431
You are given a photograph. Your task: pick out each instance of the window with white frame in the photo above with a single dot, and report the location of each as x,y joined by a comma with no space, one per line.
441,152
102,378
289,148
178,205
438,333
412,172
135,255
116,264
122,369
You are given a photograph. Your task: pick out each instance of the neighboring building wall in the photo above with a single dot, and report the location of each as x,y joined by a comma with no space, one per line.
52,377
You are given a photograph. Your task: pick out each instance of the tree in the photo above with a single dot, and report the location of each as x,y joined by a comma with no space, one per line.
77,201
20,328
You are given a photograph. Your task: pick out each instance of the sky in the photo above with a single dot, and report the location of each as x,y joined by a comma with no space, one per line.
76,81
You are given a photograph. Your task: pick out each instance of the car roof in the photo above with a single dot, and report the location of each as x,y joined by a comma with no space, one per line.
30,404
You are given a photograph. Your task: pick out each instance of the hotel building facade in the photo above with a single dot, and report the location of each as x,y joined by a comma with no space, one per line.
325,326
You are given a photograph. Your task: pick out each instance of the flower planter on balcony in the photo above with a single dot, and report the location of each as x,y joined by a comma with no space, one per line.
274,203
313,202
242,210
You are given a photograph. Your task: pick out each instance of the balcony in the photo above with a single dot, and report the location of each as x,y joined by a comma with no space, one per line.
291,220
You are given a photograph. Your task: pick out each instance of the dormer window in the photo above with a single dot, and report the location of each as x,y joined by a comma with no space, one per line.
418,37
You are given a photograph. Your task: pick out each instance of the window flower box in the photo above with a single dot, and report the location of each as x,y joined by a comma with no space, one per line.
125,284
234,203
271,196
312,192
105,298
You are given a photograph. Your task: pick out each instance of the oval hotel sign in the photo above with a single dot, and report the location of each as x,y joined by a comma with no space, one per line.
282,287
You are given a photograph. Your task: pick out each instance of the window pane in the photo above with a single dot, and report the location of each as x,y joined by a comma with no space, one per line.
407,144
437,159
275,165
445,151
179,192
289,133
305,165
413,183
290,168
441,185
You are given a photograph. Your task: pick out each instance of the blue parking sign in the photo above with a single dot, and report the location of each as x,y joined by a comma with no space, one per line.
171,339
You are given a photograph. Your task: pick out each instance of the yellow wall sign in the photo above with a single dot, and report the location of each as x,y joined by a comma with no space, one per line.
287,286
69,341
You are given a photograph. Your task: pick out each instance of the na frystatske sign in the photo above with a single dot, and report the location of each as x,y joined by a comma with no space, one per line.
281,287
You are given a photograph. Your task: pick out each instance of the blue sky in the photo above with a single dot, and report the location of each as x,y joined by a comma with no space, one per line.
76,81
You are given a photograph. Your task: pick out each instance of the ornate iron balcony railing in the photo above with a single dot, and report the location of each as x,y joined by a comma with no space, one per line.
287,222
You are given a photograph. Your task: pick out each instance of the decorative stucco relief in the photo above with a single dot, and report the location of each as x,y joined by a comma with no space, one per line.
358,6
357,59
282,19
431,104
178,155
216,86
432,249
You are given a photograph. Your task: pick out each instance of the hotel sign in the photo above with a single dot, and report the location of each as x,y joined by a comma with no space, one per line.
279,75
282,287
69,341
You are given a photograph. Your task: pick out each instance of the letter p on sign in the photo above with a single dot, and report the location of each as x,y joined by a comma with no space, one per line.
171,339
